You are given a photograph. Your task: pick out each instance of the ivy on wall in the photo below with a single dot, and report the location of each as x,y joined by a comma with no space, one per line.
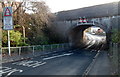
115,36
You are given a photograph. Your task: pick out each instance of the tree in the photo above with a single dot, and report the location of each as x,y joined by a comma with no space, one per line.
39,20
15,38
38,23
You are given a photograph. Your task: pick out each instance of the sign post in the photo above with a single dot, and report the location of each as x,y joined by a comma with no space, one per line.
8,23
9,42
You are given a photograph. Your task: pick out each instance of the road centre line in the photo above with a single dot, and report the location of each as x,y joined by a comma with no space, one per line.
57,56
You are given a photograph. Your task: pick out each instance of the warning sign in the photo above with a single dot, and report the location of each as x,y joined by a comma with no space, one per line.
7,18
7,12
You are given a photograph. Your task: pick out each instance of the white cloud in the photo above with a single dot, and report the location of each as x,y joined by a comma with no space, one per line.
60,5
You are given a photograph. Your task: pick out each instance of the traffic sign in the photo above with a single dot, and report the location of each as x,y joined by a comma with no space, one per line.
8,23
7,12
7,18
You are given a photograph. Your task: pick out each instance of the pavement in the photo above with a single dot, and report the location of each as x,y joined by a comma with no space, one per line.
102,65
69,62
16,57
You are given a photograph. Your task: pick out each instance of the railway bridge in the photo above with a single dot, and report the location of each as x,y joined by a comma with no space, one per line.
105,16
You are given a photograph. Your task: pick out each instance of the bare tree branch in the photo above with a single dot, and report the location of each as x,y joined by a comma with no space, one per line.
18,7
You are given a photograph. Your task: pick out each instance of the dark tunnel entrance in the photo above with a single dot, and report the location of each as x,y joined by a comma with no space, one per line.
87,36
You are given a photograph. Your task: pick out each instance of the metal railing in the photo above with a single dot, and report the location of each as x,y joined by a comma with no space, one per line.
25,52
114,52
32,49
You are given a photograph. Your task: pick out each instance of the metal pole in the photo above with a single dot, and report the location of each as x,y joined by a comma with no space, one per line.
23,33
51,47
19,51
9,42
33,50
63,46
57,46
43,47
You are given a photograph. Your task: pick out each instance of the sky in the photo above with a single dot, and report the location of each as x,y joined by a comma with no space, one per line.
62,5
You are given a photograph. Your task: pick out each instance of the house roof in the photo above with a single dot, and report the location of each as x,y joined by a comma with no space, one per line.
102,10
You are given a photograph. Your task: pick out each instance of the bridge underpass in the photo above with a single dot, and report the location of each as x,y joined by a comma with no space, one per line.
78,38
70,62
63,62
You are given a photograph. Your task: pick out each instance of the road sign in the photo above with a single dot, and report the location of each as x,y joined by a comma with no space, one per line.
8,23
7,11
7,19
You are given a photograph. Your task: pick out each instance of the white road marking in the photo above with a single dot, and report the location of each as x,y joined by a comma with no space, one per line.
8,70
58,56
14,70
34,64
30,63
39,64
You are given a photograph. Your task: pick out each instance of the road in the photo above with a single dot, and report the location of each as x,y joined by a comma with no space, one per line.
93,41
69,62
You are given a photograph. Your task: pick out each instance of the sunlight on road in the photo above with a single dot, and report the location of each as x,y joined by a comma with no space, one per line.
94,38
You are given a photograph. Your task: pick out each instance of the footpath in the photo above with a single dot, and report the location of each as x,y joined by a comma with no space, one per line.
14,57
102,65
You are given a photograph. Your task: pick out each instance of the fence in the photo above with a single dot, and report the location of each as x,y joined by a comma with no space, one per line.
30,51
114,51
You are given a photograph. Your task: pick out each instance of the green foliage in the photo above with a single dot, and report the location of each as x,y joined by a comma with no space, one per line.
115,36
16,38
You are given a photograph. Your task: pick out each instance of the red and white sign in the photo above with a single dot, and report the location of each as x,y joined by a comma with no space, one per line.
81,20
7,12
85,20
7,18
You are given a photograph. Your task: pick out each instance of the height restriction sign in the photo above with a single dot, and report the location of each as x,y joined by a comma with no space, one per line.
7,18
